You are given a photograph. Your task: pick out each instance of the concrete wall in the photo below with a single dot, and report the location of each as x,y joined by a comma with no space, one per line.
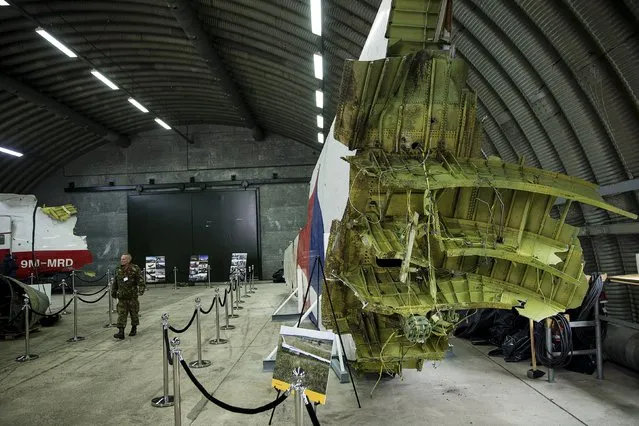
218,152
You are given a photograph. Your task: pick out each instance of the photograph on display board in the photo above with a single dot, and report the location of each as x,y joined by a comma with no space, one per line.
238,264
198,268
155,268
311,350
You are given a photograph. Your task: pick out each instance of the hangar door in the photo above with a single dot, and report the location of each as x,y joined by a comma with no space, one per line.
178,225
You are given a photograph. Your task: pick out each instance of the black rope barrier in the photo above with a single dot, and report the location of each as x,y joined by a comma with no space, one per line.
92,294
226,406
178,331
211,308
311,413
93,301
273,412
222,304
168,350
53,314
92,281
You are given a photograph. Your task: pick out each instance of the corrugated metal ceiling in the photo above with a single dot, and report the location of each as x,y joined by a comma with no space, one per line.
557,79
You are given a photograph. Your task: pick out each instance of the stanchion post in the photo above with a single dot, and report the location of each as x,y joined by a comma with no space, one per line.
217,340
175,287
64,297
238,295
177,356
110,280
27,356
144,279
208,274
165,400
75,337
298,387
73,281
233,308
31,278
200,363
246,284
110,323
252,285
227,326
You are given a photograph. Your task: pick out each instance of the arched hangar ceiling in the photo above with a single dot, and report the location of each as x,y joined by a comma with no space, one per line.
558,81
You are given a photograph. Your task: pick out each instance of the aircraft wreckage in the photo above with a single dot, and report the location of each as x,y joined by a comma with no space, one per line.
431,226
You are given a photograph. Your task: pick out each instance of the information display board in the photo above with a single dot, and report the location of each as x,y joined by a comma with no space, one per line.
311,350
198,268
155,269
238,265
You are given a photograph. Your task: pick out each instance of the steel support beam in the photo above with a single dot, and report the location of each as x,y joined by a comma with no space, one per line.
629,228
189,187
187,17
23,91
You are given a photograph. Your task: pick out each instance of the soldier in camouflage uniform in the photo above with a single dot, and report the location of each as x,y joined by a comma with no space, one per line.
127,285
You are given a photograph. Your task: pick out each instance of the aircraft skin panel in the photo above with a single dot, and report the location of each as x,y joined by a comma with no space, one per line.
430,228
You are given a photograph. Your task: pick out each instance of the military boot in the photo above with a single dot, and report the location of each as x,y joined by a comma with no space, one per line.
120,333
134,330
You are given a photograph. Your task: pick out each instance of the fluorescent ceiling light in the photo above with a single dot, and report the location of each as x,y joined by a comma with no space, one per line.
320,121
10,152
316,17
320,137
104,80
138,105
319,69
56,43
319,99
3,3
163,124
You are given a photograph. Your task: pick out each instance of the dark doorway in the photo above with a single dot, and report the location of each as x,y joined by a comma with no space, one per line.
178,225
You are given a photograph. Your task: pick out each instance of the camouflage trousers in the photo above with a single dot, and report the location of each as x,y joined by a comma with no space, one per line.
125,307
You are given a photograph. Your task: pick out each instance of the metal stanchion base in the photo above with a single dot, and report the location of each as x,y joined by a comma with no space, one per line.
24,358
247,295
237,308
113,311
65,313
163,401
229,327
219,341
109,325
76,339
251,291
200,364
241,301
234,316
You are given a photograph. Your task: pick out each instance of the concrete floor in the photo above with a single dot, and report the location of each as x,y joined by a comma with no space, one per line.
108,382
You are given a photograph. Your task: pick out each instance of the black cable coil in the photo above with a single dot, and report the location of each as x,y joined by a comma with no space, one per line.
93,301
565,332
178,331
53,314
211,308
311,413
93,294
565,340
226,406
90,281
